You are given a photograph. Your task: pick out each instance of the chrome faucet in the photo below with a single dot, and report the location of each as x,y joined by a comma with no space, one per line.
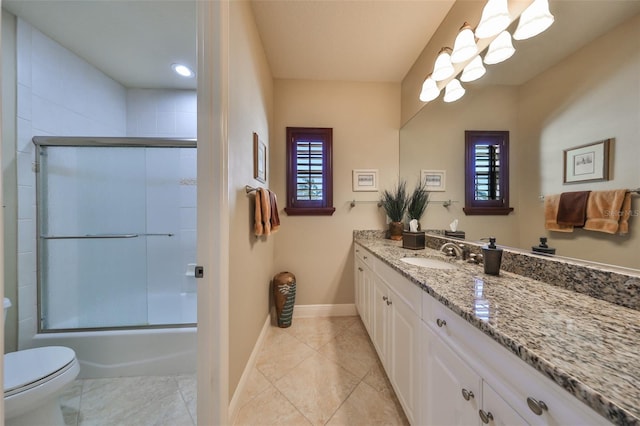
456,250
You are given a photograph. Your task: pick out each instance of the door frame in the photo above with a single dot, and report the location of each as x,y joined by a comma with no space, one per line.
213,213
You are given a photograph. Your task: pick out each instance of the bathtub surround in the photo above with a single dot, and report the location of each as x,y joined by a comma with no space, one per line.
585,345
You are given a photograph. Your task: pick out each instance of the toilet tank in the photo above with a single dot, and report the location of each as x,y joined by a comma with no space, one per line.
7,305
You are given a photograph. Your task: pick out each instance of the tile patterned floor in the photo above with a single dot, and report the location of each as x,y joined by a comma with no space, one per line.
320,371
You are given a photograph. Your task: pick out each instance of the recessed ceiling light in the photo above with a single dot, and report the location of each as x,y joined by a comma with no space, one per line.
182,70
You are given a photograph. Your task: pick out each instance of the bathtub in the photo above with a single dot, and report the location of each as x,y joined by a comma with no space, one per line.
140,352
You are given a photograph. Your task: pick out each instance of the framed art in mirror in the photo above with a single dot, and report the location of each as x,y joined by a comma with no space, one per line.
587,163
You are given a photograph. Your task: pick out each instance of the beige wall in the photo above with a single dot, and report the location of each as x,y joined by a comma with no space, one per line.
592,95
365,118
251,259
434,140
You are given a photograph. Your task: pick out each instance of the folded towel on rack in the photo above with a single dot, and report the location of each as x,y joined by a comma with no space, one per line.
265,201
258,227
623,226
572,208
604,211
275,217
551,203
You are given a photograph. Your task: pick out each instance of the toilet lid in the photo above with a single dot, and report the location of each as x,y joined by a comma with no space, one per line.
31,365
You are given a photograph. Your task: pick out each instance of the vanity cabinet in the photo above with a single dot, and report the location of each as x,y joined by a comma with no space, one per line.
512,392
394,327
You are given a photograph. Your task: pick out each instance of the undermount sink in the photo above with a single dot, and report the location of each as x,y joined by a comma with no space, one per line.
425,262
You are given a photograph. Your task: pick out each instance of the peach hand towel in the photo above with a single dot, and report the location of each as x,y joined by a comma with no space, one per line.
257,219
266,211
275,217
572,209
623,226
603,210
551,212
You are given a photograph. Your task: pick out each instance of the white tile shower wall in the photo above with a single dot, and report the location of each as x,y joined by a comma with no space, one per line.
58,93
162,113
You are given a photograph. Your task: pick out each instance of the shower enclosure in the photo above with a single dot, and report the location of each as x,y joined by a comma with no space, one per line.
116,233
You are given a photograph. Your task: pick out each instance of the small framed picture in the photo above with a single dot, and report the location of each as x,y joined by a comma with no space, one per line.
259,159
365,180
434,179
587,163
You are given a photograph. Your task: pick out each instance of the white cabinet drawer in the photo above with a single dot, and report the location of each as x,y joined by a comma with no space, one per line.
364,255
410,293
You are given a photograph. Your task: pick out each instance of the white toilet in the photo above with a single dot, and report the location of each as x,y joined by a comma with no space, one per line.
33,381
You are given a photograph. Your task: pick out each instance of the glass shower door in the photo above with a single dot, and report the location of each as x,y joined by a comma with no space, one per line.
112,237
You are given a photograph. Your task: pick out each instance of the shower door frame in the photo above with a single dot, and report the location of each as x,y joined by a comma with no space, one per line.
103,142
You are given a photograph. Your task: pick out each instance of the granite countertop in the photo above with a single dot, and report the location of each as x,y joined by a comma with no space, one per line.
588,346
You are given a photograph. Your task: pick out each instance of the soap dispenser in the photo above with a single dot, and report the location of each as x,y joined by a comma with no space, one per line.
543,248
492,256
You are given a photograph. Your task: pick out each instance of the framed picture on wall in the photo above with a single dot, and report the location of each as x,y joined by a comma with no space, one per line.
259,159
434,179
587,163
365,180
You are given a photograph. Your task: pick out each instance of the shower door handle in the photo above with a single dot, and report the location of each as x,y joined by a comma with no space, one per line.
88,236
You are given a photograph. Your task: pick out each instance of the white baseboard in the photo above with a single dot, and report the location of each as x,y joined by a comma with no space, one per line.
311,311
233,404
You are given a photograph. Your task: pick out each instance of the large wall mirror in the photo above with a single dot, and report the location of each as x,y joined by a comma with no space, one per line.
549,101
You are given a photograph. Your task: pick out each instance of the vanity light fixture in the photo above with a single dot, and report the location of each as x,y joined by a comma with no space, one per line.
473,71
182,70
465,45
443,68
430,89
453,91
535,19
495,19
500,49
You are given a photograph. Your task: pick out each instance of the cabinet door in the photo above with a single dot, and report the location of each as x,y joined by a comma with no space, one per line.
404,336
451,389
359,278
496,409
379,313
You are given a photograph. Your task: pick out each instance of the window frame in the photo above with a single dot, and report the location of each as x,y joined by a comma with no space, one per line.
473,206
323,207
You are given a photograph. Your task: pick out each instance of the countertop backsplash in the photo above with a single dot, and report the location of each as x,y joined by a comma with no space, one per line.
598,281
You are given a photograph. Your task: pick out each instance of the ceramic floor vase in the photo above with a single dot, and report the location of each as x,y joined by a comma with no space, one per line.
284,296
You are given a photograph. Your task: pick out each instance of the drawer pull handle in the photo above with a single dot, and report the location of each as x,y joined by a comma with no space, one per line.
365,257
538,407
441,323
389,302
385,298
486,417
360,269
467,395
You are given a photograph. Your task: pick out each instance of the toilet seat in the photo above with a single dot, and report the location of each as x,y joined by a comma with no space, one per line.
29,368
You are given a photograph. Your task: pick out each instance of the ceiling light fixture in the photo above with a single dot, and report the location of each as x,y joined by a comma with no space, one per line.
495,19
465,45
443,68
182,70
453,91
430,90
500,49
535,19
473,71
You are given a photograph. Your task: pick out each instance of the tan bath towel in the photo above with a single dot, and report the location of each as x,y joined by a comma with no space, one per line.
604,210
623,226
551,203
257,215
572,209
275,217
265,201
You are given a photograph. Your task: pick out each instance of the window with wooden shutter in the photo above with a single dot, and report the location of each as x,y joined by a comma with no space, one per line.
309,171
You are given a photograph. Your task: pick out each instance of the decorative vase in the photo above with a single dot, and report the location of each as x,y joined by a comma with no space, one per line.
395,230
284,296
